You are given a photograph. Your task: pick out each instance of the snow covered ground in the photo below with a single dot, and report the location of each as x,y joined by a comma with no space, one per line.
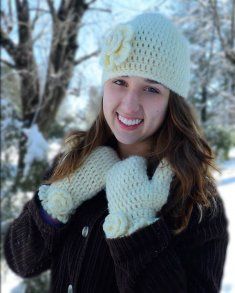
10,283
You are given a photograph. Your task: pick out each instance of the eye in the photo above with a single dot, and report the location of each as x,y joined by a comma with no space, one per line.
152,90
119,82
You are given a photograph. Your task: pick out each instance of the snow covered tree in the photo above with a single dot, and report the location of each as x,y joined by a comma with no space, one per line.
30,101
210,28
40,98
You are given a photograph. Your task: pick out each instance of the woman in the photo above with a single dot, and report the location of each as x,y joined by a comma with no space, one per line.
130,205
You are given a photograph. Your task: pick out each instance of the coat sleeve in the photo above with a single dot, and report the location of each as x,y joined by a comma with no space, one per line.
153,260
30,240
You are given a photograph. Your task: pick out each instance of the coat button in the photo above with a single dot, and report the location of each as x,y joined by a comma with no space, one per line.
85,231
70,289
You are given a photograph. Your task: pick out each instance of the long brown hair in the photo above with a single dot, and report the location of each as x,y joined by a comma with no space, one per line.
179,139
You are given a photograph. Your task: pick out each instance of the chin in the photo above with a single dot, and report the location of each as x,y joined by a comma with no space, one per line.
127,142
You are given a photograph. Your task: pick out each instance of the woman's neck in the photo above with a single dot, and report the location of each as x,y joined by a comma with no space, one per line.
127,150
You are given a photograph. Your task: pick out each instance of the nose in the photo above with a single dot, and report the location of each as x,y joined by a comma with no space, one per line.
130,102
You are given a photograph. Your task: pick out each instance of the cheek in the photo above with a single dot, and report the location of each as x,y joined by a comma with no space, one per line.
110,100
157,111
108,106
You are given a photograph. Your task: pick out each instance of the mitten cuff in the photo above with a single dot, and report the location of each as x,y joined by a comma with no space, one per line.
57,202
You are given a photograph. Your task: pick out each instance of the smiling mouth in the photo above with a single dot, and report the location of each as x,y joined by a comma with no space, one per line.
129,122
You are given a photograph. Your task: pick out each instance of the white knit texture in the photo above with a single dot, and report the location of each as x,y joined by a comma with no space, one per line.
148,46
61,198
133,199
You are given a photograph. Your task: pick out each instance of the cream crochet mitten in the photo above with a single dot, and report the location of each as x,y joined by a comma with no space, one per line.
61,198
133,199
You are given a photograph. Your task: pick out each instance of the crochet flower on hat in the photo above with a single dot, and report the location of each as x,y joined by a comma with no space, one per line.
117,46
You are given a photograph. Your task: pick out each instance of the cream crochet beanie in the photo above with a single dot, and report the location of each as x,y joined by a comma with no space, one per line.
148,46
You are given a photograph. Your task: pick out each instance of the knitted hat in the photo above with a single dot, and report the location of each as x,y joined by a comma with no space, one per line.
148,46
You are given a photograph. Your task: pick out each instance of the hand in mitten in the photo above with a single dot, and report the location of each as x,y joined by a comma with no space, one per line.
61,198
133,199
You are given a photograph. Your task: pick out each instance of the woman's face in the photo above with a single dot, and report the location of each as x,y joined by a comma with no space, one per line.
134,109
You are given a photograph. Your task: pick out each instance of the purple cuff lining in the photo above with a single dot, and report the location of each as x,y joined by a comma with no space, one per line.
48,219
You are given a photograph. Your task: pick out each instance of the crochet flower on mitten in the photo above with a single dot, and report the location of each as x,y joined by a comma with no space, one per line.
117,46
133,199
61,198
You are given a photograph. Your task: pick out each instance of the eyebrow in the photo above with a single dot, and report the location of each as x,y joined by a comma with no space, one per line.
152,81
147,80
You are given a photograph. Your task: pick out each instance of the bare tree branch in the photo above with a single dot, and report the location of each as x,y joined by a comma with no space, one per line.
101,9
23,18
229,52
91,2
9,64
213,4
6,22
84,58
39,35
37,15
40,10
52,10
8,44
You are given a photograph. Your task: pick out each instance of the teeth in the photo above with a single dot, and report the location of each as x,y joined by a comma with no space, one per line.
129,122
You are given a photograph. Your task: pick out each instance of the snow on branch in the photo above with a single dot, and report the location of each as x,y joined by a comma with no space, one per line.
37,147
